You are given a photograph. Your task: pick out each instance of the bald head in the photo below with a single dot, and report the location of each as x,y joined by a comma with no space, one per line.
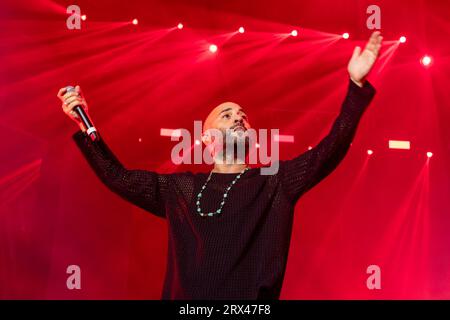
224,116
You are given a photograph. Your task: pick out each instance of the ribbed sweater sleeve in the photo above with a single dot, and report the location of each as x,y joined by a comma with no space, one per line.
306,170
146,189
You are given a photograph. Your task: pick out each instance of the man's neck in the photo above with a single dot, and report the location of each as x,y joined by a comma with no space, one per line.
229,168
224,163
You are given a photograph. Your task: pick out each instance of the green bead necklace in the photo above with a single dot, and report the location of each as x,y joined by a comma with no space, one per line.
225,195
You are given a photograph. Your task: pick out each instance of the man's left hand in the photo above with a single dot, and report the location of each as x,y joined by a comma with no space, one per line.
362,62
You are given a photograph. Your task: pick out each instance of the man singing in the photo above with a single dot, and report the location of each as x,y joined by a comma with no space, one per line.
229,229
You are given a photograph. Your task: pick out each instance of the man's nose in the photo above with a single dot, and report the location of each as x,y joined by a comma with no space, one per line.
238,119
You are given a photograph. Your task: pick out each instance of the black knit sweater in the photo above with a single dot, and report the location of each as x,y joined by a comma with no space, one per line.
241,253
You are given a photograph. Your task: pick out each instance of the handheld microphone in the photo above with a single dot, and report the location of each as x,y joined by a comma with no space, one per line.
90,129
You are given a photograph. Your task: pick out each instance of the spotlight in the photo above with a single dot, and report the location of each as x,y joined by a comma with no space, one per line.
135,21
309,148
294,33
402,39
369,152
213,48
429,154
197,142
180,26
140,140
345,35
83,17
241,30
426,61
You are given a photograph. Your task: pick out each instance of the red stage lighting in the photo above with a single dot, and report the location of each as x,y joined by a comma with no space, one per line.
83,17
346,35
180,26
241,30
429,154
402,39
426,61
135,21
294,33
369,152
213,48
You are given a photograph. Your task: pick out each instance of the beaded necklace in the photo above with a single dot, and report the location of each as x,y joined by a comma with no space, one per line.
225,195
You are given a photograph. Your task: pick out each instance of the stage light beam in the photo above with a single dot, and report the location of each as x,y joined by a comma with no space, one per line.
429,154
346,35
180,26
241,30
294,33
402,39
135,21
369,152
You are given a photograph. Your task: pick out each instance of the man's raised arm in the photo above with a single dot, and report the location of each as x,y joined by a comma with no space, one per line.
305,171
145,189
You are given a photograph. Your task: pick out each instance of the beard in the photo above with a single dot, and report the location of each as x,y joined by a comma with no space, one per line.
235,144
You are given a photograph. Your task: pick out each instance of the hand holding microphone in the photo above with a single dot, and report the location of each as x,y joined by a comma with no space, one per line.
75,107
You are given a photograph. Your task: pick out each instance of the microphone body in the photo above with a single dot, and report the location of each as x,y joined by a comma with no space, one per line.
90,128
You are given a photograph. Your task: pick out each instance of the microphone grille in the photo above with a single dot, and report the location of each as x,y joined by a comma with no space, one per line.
70,89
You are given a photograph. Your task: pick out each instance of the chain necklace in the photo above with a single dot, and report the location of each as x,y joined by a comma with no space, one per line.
225,195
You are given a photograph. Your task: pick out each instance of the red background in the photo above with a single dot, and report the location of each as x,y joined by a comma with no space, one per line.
390,209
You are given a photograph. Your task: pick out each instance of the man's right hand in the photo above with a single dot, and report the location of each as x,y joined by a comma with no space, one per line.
69,101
